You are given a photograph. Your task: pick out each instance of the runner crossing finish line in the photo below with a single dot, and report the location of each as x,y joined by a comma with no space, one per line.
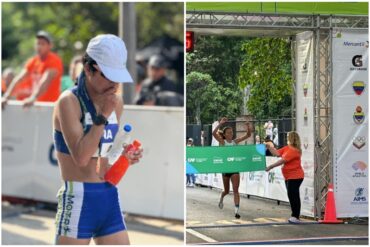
225,159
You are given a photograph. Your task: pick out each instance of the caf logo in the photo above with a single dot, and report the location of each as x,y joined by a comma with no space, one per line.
358,87
358,116
357,61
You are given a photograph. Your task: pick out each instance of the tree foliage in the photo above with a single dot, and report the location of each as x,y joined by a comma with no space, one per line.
71,23
212,78
266,69
206,99
218,56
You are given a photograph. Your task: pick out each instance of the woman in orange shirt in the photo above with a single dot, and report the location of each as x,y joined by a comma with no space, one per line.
292,171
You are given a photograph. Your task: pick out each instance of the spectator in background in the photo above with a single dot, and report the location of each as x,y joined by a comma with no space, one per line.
6,79
275,133
157,89
269,144
268,127
258,139
75,68
190,178
42,73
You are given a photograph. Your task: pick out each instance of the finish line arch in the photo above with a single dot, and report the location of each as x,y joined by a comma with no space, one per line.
322,28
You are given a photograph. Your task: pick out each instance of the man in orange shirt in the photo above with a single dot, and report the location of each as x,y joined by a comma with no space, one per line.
43,72
292,171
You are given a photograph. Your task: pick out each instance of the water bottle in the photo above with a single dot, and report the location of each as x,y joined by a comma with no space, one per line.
122,137
120,166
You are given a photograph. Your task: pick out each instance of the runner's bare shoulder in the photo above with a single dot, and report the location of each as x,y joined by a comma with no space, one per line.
68,103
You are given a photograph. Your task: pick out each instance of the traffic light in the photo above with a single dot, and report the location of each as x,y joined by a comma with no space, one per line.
189,41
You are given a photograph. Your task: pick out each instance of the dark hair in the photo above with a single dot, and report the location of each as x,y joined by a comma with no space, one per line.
223,131
44,38
268,138
86,59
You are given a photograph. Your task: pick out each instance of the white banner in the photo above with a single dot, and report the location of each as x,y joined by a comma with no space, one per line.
154,187
350,122
305,117
267,185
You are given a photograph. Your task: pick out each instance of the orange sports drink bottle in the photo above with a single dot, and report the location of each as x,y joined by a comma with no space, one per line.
119,168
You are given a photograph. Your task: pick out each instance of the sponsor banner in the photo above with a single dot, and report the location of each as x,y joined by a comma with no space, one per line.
225,159
30,169
350,122
259,183
305,116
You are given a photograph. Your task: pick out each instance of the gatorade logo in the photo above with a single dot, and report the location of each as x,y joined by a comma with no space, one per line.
357,61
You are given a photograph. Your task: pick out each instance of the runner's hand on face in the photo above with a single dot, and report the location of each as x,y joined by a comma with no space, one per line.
109,103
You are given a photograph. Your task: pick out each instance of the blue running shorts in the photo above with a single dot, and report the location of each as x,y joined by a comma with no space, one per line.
87,210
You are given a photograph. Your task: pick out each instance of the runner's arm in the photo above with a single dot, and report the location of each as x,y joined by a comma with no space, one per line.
81,146
216,135
246,136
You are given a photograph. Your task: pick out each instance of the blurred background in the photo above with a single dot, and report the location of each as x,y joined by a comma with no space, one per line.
148,29
152,192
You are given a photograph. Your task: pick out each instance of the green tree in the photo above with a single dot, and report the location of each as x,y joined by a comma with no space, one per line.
207,100
266,69
72,23
156,19
219,58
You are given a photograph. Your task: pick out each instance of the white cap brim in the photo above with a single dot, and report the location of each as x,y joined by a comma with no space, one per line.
116,75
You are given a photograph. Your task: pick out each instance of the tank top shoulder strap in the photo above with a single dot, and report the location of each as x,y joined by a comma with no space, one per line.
83,107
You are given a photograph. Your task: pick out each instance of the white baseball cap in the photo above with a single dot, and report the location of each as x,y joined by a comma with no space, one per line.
109,52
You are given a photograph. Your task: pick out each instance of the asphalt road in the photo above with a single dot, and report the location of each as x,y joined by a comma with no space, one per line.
29,226
262,222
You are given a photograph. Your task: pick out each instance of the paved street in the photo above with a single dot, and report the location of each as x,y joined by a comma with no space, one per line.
30,226
262,221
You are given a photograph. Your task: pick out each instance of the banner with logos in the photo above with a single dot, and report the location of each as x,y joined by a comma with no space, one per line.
225,159
259,183
305,116
350,122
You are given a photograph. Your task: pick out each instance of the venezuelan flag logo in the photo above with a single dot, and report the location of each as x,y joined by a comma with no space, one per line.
358,87
358,116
